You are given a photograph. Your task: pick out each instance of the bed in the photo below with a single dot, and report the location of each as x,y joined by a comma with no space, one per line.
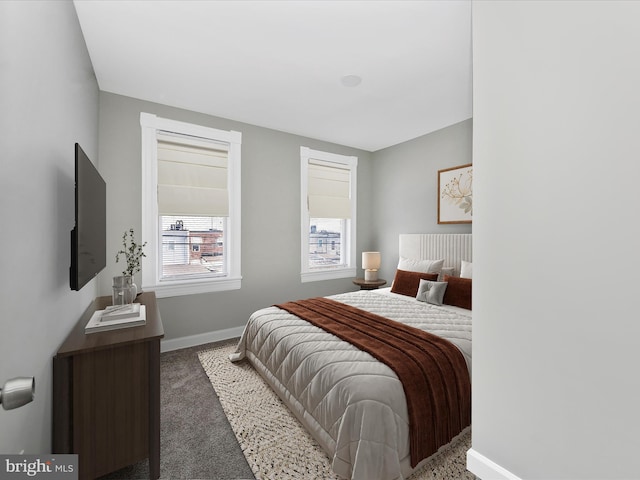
353,404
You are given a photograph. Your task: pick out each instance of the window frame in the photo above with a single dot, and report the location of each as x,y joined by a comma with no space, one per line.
348,270
152,126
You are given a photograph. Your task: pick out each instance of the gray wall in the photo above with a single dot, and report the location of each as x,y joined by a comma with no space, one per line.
49,101
556,387
270,214
404,188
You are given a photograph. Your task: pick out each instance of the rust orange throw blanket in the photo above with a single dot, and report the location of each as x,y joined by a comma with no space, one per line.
432,370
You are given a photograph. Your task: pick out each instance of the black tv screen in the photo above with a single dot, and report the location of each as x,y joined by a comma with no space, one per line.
88,238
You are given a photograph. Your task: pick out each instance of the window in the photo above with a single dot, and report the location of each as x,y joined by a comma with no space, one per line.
328,185
190,207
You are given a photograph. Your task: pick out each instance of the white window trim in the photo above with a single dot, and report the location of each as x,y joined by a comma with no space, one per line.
151,127
330,273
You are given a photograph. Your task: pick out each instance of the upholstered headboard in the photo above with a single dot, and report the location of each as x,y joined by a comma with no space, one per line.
453,247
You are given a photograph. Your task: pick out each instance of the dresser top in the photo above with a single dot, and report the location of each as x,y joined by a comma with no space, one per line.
79,342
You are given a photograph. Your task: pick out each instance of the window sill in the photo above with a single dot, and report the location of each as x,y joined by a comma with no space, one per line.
176,289
327,275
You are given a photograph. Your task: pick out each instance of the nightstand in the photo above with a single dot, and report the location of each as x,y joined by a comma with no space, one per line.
364,285
106,394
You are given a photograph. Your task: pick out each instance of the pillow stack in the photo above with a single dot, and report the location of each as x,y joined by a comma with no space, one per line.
429,282
406,283
411,271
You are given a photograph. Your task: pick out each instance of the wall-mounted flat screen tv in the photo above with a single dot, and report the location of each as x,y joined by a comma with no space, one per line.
88,238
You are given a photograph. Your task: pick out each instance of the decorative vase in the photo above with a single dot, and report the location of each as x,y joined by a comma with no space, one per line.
124,290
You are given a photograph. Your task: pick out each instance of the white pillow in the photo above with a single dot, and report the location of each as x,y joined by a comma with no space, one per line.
431,292
466,269
422,266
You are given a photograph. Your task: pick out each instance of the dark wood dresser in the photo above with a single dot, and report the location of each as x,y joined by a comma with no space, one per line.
106,394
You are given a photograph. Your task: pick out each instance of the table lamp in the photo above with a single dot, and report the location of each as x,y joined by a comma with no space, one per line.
370,264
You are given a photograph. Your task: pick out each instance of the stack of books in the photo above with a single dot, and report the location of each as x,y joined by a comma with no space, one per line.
117,316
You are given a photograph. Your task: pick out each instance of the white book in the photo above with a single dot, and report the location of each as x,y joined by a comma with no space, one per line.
115,312
98,322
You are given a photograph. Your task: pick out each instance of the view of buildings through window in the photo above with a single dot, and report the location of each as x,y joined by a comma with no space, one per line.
324,242
192,245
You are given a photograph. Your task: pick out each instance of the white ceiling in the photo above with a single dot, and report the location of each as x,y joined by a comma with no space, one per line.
279,64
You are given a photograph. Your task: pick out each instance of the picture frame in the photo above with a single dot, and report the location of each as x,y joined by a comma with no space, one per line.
455,194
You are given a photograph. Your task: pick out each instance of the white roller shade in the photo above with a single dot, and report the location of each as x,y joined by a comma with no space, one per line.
328,190
192,180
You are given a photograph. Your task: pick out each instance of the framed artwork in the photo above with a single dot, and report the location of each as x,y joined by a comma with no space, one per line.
455,194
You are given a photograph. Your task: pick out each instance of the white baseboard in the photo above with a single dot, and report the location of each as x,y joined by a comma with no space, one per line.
485,469
200,339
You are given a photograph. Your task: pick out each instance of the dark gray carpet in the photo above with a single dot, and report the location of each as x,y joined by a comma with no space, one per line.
196,440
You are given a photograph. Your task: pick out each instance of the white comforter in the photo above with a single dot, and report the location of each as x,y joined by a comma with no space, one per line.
351,403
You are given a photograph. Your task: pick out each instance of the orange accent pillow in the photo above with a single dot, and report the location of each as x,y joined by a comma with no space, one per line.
407,283
458,292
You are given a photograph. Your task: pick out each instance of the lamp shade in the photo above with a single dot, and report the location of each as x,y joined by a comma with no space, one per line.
371,260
